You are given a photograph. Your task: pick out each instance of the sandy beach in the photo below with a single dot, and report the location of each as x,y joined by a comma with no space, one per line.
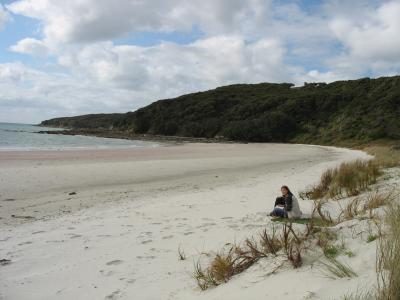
107,224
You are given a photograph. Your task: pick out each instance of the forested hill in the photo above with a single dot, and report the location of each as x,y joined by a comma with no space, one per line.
357,110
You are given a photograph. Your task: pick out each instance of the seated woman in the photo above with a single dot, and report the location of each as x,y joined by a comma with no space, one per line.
287,205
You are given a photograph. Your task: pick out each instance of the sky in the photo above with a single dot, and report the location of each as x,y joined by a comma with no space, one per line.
65,58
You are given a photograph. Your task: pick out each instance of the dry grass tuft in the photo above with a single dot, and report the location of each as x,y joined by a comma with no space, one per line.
270,243
292,245
352,209
377,199
181,253
238,258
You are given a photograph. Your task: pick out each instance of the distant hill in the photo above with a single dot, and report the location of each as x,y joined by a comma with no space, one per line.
344,111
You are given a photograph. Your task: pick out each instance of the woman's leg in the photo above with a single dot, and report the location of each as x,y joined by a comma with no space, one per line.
279,212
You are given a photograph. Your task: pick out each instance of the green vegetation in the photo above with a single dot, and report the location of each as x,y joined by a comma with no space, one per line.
331,251
349,253
316,221
333,268
343,112
371,238
93,121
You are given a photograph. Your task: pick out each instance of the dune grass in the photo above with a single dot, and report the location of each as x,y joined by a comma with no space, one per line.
378,199
237,258
388,249
359,294
387,156
346,180
333,268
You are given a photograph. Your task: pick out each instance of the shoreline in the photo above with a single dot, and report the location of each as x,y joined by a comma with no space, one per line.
128,135
132,209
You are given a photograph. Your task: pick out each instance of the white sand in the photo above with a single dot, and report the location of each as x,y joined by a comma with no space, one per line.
117,237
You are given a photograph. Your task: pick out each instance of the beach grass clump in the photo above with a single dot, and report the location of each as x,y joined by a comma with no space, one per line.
333,268
324,238
352,209
377,199
270,242
388,249
331,251
346,180
359,294
385,155
292,245
235,258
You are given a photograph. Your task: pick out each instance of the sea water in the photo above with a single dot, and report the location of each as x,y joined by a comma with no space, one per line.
26,137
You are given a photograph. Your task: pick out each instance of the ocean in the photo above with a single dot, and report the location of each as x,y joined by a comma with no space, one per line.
26,137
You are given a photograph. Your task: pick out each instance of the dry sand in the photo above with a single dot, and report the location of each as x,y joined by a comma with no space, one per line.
106,224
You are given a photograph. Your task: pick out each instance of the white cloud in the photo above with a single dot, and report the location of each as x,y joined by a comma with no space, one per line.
242,41
371,44
4,16
31,46
98,20
106,77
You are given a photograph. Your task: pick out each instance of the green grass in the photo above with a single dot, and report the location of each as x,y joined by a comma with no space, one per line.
333,268
331,251
371,238
316,221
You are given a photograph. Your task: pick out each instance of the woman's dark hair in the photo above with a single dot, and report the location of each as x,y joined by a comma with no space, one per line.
286,188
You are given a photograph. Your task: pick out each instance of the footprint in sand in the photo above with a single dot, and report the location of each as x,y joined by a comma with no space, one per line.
146,257
114,295
106,273
209,224
25,243
40,231
167,237
114,262
74,236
